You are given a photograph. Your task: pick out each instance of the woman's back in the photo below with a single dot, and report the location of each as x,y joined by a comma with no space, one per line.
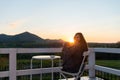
72,56
72,59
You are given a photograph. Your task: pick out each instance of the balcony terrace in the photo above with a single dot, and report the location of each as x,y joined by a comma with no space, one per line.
12,72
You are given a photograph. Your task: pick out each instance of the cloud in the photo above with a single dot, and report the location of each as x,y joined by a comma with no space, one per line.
16,24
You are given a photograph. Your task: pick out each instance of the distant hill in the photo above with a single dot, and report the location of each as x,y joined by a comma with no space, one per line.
4,38
23,37
27,39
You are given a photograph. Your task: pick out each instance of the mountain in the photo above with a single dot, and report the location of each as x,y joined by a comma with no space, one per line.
27,39
4,37
23,37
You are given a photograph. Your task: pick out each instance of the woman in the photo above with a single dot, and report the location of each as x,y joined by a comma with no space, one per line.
72,54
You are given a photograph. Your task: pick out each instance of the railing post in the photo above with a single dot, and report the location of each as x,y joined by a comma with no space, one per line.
12,64
91,63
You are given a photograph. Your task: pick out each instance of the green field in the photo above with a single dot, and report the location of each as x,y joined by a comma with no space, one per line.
109,63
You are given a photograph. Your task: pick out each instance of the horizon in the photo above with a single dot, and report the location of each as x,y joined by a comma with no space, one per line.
99,21
52,39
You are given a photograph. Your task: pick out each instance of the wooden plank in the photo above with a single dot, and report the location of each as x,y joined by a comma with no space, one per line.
12,64
91,63
4,73
108,70
107,50
37,71
39,50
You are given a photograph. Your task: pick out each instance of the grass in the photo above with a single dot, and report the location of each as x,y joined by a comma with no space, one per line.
109,63
25,64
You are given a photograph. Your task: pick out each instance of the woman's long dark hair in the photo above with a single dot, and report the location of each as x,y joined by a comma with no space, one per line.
83,42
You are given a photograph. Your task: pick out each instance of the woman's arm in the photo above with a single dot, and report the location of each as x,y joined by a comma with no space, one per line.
65,49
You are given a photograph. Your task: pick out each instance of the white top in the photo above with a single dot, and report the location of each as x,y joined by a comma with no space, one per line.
45,57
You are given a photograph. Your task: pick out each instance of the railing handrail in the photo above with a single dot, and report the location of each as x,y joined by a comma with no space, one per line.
45,50
30,50
107,50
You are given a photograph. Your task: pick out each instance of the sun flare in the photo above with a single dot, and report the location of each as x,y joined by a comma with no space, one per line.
71,40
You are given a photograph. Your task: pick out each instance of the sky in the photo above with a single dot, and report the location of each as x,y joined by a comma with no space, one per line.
97,20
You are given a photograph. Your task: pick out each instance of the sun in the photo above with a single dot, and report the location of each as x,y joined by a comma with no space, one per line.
71,40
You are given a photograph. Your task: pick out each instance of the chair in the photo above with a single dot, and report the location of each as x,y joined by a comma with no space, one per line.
79,73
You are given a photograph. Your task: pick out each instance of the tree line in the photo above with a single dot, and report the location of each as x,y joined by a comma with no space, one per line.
53,44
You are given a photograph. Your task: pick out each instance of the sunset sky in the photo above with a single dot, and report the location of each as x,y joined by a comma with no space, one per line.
98,20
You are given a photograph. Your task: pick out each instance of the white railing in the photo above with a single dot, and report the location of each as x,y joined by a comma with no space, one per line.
106,69
13,72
